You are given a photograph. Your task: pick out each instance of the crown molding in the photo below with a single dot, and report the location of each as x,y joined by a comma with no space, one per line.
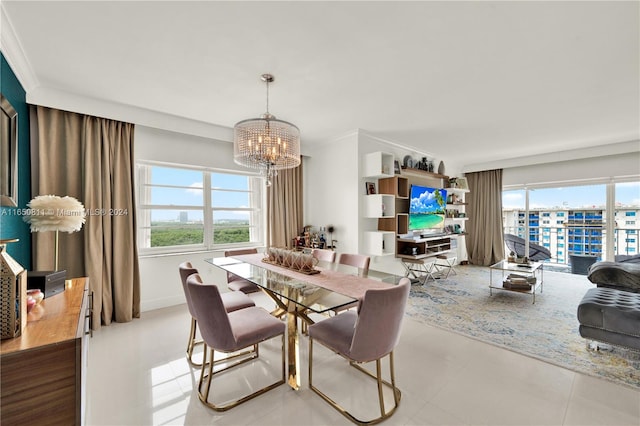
14,53
401,146
53,98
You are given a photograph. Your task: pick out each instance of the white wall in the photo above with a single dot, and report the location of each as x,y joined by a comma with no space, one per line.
179,148
583,169
330,189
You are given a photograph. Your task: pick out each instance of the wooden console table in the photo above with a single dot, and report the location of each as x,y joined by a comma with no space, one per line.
42,371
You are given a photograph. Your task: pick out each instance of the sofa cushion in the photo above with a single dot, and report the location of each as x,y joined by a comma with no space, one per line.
611,311
619,275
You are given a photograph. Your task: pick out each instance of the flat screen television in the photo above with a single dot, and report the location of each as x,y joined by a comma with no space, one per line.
427,208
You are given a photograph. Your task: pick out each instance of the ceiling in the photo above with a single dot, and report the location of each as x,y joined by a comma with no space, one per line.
484,80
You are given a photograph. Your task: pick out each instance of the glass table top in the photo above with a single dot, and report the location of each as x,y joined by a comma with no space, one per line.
299,291
516,267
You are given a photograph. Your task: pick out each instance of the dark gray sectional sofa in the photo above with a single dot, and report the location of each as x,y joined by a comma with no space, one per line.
610,312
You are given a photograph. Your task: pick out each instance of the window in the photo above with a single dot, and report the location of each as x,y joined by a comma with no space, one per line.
184,209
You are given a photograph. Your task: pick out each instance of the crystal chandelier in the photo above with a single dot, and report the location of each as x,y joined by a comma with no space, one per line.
266,143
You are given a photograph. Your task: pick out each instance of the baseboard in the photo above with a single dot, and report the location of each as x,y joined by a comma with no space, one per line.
165,302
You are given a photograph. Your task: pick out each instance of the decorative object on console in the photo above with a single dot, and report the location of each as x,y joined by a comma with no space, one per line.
294,260
49,283
13,288
54,213
266,143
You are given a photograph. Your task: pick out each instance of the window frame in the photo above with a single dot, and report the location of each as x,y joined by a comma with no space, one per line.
609,210
256,209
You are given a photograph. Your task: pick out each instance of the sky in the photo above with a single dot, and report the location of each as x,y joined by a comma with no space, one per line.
192,194
627,194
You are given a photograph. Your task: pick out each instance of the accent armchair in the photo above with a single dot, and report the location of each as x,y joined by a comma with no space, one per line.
516,244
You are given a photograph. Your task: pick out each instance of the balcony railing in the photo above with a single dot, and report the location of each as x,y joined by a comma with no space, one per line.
579,240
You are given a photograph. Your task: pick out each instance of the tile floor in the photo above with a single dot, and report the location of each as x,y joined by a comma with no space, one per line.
138,375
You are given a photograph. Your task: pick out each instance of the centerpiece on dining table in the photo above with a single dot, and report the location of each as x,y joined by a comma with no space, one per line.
294,260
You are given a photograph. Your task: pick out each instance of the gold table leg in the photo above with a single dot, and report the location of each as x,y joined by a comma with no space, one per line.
293,348
293,312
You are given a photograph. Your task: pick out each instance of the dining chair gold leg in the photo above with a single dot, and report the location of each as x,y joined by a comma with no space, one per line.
205,365
380,383
192,343
211,372
392,373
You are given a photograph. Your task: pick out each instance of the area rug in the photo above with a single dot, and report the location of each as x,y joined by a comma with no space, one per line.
546,330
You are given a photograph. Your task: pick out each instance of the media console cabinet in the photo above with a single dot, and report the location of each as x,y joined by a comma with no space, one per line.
420,248
419,255
42,371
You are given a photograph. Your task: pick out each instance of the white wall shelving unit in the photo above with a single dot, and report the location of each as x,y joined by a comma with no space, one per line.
378,165
379,205
458,208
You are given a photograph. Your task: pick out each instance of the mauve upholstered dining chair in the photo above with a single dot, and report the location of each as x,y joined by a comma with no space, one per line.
230,332
367,335
232,301
322,254
358,260
236,283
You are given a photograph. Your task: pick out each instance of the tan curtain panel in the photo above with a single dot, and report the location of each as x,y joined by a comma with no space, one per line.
285,207
485,240
91,159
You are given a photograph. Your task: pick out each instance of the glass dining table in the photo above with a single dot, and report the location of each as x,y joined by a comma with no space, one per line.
297,295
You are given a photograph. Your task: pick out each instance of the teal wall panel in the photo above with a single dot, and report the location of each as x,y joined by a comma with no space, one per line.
11,223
